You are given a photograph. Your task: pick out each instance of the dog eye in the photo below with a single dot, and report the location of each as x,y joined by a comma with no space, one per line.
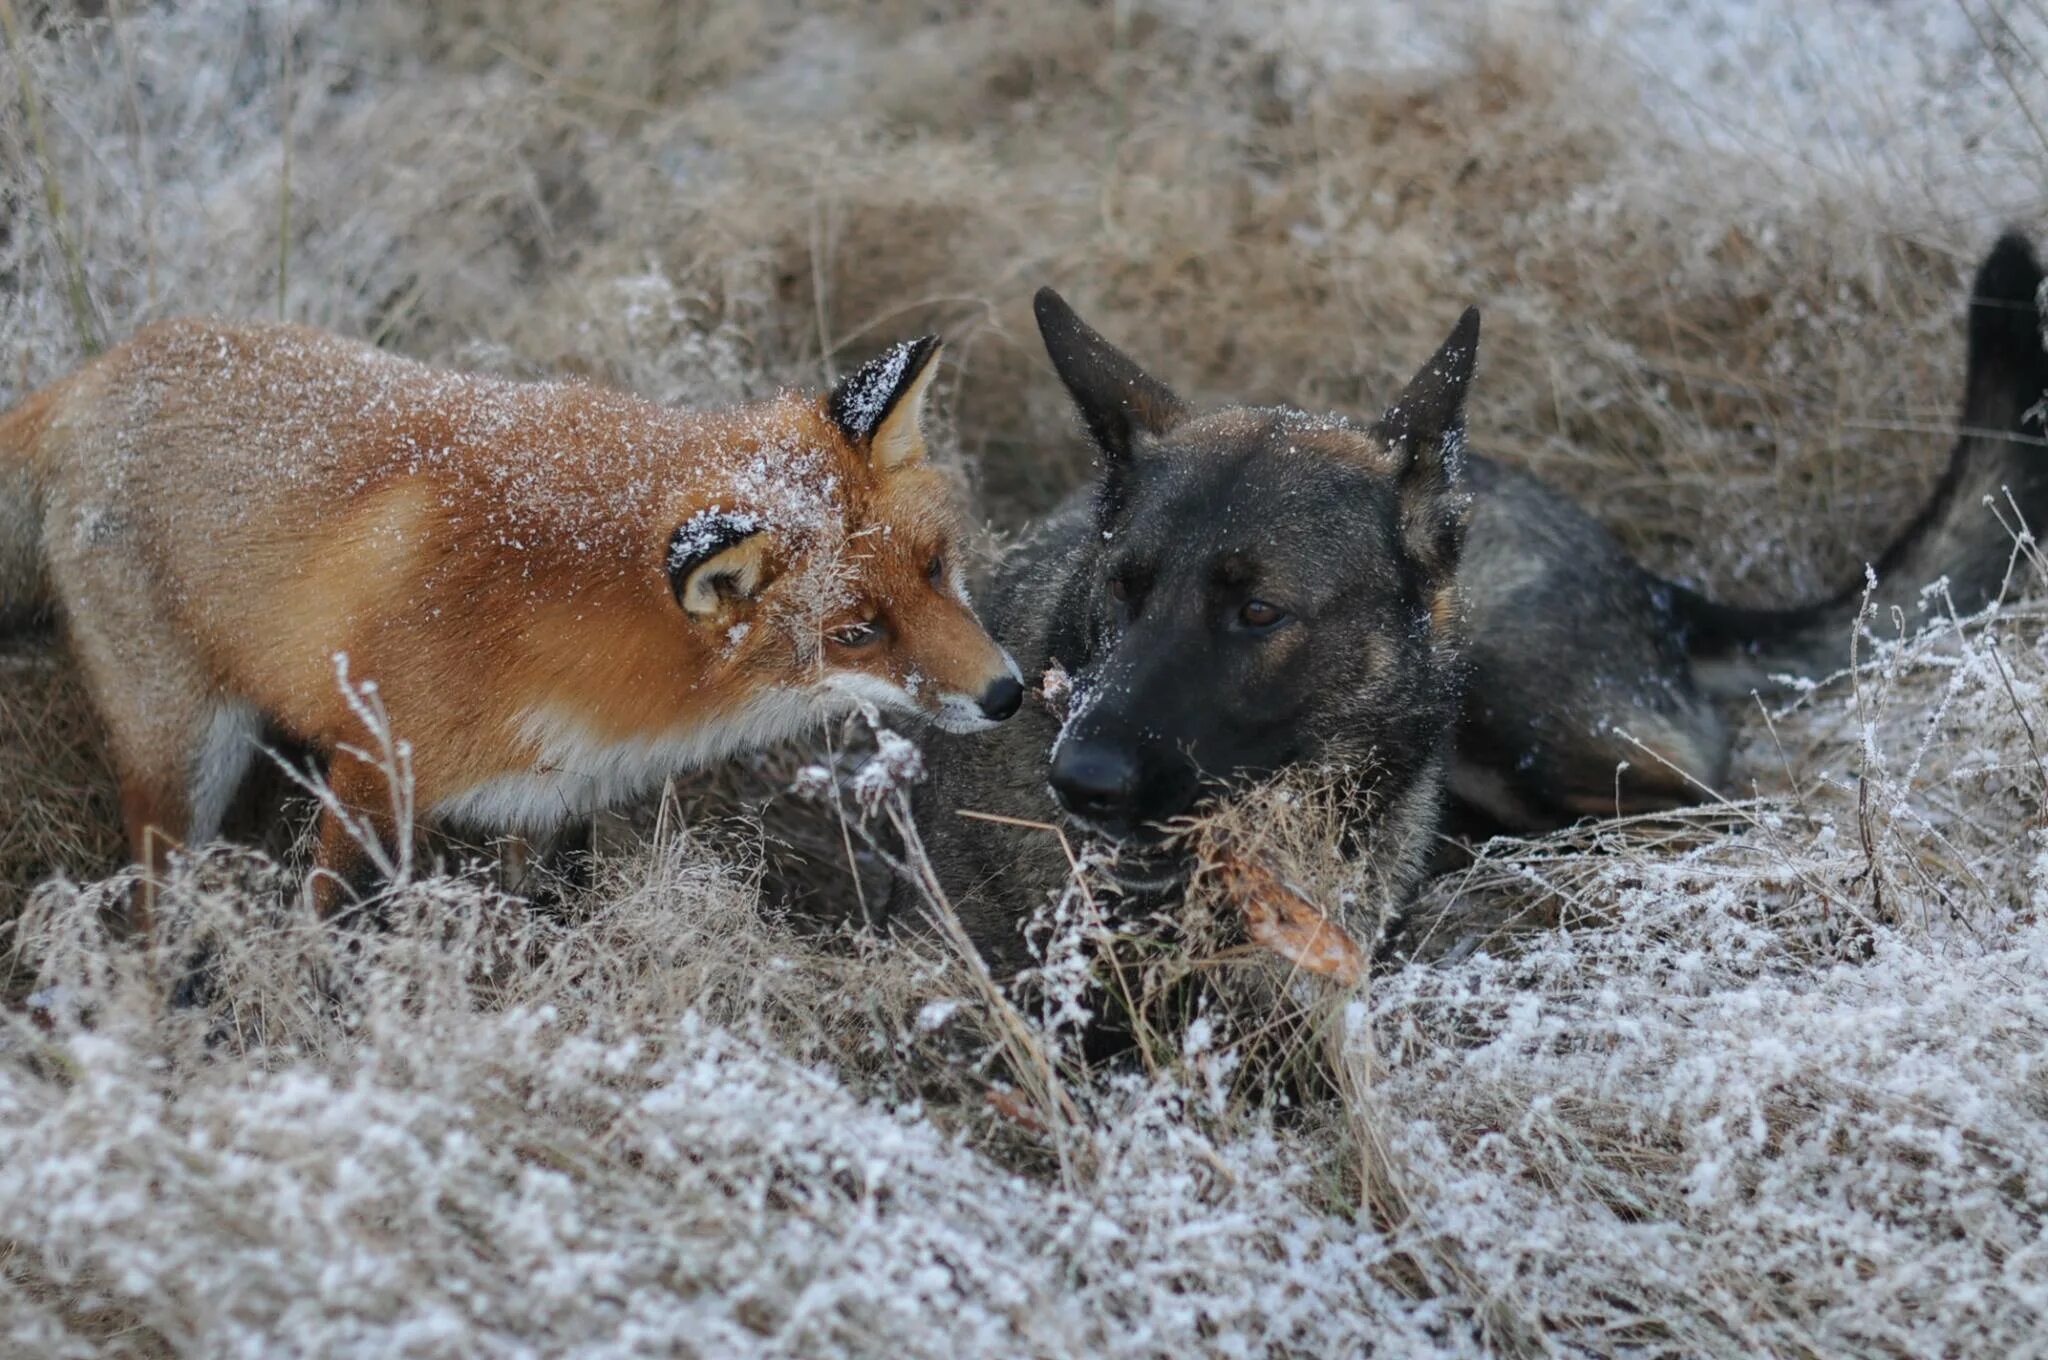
1259,614
1128,586
857,634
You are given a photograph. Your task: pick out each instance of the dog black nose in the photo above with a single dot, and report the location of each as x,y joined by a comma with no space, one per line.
1096,782
1001,698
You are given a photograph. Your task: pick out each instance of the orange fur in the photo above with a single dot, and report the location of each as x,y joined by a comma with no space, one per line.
226,508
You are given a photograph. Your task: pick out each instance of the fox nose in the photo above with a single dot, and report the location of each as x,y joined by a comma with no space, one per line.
1096,782
1001,698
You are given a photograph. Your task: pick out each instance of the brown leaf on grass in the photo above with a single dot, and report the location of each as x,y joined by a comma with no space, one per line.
1280,919
1011,1107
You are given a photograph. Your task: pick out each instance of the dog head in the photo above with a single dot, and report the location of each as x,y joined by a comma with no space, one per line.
1269,587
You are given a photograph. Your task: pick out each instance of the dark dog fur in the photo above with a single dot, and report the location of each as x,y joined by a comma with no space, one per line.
1252,589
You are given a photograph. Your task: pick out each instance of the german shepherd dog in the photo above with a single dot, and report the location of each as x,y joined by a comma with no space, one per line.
1250,589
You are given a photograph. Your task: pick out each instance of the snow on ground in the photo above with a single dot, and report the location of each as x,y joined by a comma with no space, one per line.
1764,1080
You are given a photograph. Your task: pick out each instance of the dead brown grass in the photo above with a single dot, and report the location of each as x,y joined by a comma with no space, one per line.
58,811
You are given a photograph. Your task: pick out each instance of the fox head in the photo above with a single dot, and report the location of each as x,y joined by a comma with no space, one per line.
835,571
1267,587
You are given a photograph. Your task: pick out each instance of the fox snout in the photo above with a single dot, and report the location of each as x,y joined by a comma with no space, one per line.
931,658
998,698
950,668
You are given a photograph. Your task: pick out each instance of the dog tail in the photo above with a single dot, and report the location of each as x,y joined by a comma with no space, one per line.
2000,457
25,600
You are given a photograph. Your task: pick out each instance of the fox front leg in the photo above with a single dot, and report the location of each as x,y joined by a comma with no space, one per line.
360,816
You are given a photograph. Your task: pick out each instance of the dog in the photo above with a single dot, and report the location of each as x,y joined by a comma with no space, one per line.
1250,590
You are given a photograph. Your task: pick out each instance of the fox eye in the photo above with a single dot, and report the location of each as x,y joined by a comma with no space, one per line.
935,569
1259,615
856,635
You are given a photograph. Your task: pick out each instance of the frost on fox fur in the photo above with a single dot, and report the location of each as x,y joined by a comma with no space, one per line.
861,403
709,529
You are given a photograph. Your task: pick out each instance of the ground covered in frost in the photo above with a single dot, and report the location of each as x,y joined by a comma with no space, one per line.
1767,1078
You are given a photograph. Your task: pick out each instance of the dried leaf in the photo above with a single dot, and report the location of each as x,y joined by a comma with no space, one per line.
1012,1107
1280,919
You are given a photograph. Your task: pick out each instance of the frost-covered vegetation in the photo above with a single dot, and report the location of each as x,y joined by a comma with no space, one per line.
1765,1079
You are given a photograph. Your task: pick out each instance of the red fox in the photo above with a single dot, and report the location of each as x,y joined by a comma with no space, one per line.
561,594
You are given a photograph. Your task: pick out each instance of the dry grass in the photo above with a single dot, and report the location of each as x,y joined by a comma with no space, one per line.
1764,1080
58,812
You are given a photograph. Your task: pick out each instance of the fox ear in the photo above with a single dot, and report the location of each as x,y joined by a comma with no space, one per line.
882,402
717,557
1424,430
1118,400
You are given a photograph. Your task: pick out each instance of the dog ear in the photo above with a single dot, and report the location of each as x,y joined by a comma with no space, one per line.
716,558
882,402
1424,431
1117,400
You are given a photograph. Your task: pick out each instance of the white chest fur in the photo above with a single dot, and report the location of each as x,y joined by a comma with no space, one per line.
575,773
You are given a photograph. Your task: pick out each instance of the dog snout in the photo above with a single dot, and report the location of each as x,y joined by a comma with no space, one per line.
1001,698
1097,782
